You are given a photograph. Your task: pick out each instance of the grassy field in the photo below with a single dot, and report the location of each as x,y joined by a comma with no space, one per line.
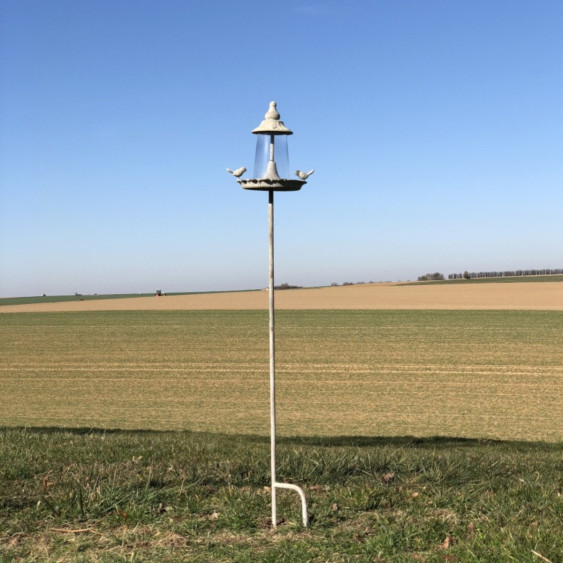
39,299
417,435
4,301
150,496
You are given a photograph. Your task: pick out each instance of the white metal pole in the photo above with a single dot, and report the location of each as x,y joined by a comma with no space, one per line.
272,357
275,484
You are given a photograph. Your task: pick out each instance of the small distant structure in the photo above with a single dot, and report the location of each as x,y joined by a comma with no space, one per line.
159,293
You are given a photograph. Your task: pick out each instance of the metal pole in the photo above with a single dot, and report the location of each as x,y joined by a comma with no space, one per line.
275,484
272,357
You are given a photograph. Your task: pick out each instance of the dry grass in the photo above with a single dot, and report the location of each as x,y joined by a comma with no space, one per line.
546,296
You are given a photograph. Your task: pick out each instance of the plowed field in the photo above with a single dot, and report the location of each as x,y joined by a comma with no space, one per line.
546,296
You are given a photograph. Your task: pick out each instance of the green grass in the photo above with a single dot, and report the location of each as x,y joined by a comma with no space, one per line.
95,297
173,496
65,298
508,279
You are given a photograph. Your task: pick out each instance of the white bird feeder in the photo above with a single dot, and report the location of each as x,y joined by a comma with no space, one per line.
271,161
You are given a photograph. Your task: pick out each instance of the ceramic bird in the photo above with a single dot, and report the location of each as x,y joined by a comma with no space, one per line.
238,172
303,175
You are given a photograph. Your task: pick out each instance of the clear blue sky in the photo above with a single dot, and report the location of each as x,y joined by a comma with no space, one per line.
435,128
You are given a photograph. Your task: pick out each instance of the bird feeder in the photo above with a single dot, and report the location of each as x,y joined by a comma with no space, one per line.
271,155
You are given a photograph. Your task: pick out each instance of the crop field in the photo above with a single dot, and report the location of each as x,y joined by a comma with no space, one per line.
476,374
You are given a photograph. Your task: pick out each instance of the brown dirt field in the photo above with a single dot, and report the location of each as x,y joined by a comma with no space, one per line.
545,296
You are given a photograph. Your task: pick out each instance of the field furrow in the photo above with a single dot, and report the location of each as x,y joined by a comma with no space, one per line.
485,374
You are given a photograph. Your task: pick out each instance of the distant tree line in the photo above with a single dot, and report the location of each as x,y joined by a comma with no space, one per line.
437,276
506,274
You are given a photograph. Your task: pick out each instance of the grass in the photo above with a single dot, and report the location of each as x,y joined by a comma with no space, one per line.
79,495
95,297
65,298
493,374
417,435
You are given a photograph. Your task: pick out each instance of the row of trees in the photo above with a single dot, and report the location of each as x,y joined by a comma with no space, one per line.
506,274
437,276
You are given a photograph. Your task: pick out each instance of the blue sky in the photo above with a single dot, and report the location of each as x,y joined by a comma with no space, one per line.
435,128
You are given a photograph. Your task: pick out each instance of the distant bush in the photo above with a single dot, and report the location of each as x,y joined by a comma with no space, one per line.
431,277
287,286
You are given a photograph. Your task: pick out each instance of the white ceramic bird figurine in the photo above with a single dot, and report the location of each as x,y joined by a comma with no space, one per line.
238,172
303,175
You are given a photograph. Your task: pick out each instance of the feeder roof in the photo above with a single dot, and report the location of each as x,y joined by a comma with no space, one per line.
272,124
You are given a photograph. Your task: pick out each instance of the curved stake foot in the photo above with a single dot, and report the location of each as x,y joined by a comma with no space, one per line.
301,494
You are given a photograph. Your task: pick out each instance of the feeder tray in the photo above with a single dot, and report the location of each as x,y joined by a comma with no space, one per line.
266,185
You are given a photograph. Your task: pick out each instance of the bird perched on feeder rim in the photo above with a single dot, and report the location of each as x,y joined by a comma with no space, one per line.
238,172
303,175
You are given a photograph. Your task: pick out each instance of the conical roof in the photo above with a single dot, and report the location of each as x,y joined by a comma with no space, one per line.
272,124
